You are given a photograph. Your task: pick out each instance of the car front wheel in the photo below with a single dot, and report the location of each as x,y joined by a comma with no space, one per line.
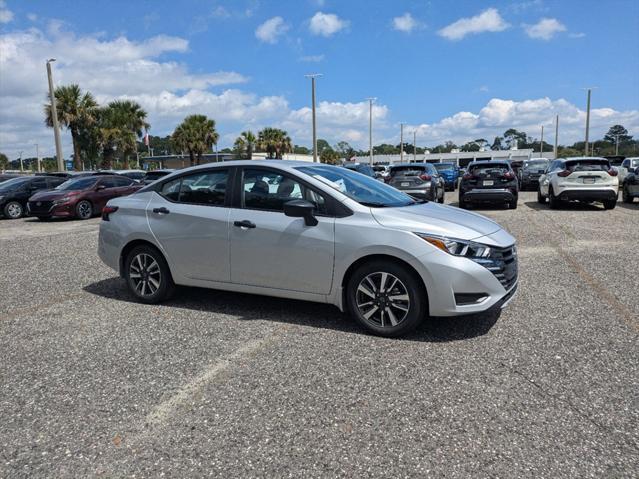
610,204
552,199
540,198
13,210
147,275
386,298
84,210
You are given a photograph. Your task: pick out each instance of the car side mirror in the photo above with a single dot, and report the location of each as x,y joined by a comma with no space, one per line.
100,187
301,209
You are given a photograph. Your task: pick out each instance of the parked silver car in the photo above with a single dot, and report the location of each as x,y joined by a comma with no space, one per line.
313,232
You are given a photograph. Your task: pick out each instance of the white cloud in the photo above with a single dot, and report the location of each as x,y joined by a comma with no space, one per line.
327,24
271,30
312,58
527,115
220,12
6,15
405,23
32,17
577,35
487,21
544,29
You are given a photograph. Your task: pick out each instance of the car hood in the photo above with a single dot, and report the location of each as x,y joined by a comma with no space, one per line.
439,220
53,195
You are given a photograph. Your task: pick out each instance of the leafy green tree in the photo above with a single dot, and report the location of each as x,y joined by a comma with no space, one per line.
274,141
617,131
301,150
496,146
4,161
470,146
330,156
514,137
322,145
76,111
195,134
130,121
239,147
344,150
250,140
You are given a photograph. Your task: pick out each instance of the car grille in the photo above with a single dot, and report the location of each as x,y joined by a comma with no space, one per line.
36,207
503,264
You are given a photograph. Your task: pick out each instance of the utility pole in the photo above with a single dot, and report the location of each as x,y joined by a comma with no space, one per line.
54,114
38,158
370,127
587,123
415,146
401,143
617,144
21,165
541,143
556,135
312,76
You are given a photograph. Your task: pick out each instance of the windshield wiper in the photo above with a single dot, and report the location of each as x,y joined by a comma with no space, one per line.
418,202
373,204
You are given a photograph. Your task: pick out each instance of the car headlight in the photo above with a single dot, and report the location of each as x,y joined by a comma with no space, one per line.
457,247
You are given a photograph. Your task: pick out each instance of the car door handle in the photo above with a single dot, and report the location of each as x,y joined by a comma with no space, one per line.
162,211
244,224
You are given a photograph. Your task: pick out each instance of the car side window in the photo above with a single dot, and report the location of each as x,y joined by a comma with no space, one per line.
39,184
625,163
269,190
122,182
108,182
207,188
53,182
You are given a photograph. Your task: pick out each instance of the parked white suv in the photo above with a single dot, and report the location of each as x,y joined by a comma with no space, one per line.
629,164
580,178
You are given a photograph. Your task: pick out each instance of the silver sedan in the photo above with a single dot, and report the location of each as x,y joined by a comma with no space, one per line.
312,232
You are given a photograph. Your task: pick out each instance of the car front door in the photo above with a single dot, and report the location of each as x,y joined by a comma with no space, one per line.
189,217
272,250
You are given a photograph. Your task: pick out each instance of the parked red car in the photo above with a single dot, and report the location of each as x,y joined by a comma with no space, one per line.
80,197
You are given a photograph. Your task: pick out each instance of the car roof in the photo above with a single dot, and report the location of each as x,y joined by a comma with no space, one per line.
396,165
573,158
488,162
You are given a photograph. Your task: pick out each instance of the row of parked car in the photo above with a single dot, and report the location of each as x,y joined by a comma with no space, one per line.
586,179
66,194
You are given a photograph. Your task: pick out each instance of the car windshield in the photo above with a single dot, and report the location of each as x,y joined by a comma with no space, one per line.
154,175
635,163
363,189
499,169
13,183
587,165
79,184
411,170
443,167
536,165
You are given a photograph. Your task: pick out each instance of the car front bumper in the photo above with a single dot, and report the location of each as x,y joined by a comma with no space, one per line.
488,195
63,210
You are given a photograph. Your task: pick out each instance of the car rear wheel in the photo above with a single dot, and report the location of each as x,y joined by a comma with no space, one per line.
84,210
625,194
512,205
386,298
609,204
540,198
13,210
147,275
441,199
552,199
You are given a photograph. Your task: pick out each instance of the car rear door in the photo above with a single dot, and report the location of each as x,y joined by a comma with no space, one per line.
272,250
189,216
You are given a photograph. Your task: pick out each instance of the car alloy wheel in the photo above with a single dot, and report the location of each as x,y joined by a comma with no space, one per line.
84,210
145,275
382,299
13,210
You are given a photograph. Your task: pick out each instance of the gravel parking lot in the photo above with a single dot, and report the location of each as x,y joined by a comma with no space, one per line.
230,385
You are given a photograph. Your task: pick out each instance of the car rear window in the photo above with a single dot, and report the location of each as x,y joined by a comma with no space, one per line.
588,165
498,168
412,170
444,167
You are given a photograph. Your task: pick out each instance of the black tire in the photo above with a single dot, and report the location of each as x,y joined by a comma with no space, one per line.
84,210
512,205
553,202
609,204
462,204
441,200
13,210
43,218
625,195
408,285
144,293
540,198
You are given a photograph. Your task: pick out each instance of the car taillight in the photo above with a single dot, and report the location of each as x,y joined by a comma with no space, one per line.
564,173
425,177
107,210
613,172
509,175
467,176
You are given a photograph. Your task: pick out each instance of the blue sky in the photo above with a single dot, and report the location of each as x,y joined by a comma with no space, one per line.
451,70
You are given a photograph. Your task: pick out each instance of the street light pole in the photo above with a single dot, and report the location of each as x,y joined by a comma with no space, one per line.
401,143
415,146
617,144
556,135
21,164
312,76
54,114
587,123
541,143
38,158
370,127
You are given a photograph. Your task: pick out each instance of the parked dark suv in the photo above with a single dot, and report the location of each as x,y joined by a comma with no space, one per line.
630,188
15,193
489,182
530,172
420,180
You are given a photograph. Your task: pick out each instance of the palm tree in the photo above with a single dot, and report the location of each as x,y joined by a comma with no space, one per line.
239,147
130,121
249,140
76,111
274,141
195,134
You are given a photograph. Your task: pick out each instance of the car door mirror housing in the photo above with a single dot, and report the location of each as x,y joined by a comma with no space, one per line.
100,187
301,209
